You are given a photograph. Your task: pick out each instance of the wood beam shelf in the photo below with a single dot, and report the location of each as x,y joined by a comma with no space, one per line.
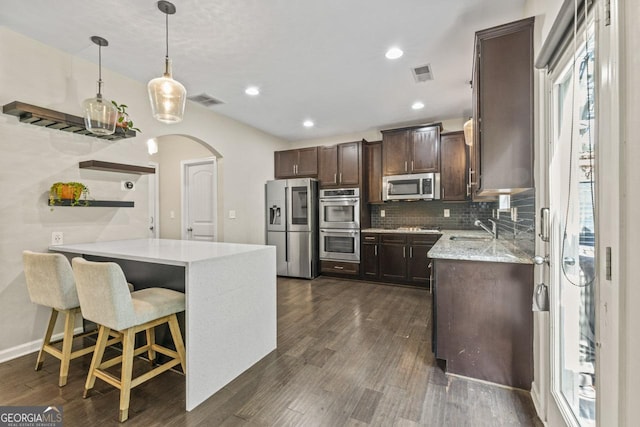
94,203
115,167
52,119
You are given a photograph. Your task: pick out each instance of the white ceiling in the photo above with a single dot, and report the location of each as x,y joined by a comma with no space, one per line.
320,60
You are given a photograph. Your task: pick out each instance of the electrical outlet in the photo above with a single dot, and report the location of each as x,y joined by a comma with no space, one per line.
56,238
446,213
382,213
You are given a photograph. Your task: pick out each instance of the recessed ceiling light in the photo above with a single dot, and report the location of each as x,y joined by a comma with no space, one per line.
252,90
417,105
394,53
308,123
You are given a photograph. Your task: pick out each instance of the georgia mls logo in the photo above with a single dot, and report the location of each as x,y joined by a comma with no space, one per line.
30,416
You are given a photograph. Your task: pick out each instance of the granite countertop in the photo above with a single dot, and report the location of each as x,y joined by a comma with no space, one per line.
477,250
486,249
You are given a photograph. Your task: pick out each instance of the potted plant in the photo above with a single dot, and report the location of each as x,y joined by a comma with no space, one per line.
73,191
124,120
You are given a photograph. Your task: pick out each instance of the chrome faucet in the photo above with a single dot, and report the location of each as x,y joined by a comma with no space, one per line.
494,227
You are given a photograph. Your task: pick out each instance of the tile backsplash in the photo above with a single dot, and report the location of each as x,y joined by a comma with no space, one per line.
421,213
462,216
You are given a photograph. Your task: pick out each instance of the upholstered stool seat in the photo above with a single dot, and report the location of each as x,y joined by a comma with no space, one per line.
50,283
105,300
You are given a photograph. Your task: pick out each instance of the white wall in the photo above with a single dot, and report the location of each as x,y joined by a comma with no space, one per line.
33,158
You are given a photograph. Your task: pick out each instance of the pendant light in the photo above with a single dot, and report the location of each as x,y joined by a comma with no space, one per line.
100,115
167,95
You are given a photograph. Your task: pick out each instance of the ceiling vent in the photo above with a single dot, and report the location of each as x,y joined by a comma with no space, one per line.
204,99
422,73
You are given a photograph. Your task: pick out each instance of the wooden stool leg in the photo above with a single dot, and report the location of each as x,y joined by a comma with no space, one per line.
67,344
101,343
128,344
47,338
151,341
174,326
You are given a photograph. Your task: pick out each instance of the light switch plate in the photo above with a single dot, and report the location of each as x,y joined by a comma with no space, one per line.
232,214
447,213
382,213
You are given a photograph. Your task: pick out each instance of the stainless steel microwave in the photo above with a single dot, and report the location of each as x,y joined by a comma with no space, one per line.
417,186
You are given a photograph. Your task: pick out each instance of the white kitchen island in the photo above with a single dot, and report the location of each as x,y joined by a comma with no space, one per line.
230,289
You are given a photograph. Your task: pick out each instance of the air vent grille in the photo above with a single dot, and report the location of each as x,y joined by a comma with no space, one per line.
204,99
423,73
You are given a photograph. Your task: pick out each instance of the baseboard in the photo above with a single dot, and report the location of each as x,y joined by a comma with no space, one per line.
535,397
30,347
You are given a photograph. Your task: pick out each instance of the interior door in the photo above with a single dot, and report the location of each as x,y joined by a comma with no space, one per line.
154,208
199,200
573,256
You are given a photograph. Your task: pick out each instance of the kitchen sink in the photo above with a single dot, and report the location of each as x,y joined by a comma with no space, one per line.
471,238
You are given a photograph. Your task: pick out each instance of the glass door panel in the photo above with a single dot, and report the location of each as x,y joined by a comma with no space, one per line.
299,214
572,200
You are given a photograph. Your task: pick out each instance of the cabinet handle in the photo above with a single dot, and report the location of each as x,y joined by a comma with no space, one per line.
404,252
410,251
340,177
369,238
375,250
443,192
294,169
335,179
405,166
411,165
337,267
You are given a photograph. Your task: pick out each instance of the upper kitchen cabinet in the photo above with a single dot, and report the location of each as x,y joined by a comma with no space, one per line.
412,150
300,163
502,150
453,167
373,171
339,165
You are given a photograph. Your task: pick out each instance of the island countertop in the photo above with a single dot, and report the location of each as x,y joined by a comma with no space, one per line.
489,250
160,251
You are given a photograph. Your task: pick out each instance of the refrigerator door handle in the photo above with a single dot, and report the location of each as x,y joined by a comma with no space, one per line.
287,228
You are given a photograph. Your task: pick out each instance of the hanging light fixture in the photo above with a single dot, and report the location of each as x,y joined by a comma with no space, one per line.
468,132
167,95
100,115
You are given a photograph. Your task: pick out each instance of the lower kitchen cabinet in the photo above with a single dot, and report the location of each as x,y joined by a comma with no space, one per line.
397,258
483,323
340,268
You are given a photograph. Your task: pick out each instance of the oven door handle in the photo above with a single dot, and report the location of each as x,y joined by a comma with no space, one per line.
338,231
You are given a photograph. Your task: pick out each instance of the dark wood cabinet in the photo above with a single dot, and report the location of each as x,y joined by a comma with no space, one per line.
453,167
413,150
300,163
483,323
369,264
502,150
339,165
340,268
397,258
373,172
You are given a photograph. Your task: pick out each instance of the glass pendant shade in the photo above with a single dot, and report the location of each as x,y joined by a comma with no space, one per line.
100,116
468,132
167,97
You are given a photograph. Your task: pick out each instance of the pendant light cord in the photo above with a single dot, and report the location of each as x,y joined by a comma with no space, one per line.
166,15
99,71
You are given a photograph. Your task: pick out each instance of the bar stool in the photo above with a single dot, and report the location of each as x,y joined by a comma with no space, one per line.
50,283
104,299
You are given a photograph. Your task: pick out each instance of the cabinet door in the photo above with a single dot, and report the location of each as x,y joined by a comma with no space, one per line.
349,164
394,153
453,167
373,172
285,163
307,162
393,261
423,144
418,271
369,261
328,166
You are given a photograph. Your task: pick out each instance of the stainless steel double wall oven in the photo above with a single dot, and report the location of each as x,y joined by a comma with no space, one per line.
340,224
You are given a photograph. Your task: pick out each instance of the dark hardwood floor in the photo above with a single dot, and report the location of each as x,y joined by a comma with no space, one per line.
349,354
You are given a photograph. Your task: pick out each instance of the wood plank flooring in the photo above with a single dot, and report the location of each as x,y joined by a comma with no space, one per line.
349,354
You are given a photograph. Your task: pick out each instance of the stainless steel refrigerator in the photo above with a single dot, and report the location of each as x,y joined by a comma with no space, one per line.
292,225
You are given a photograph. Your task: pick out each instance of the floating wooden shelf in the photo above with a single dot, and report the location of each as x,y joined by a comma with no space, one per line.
95,203
115,167
44,117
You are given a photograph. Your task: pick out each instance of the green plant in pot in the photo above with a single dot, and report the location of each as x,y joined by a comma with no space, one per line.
124,120
73,191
